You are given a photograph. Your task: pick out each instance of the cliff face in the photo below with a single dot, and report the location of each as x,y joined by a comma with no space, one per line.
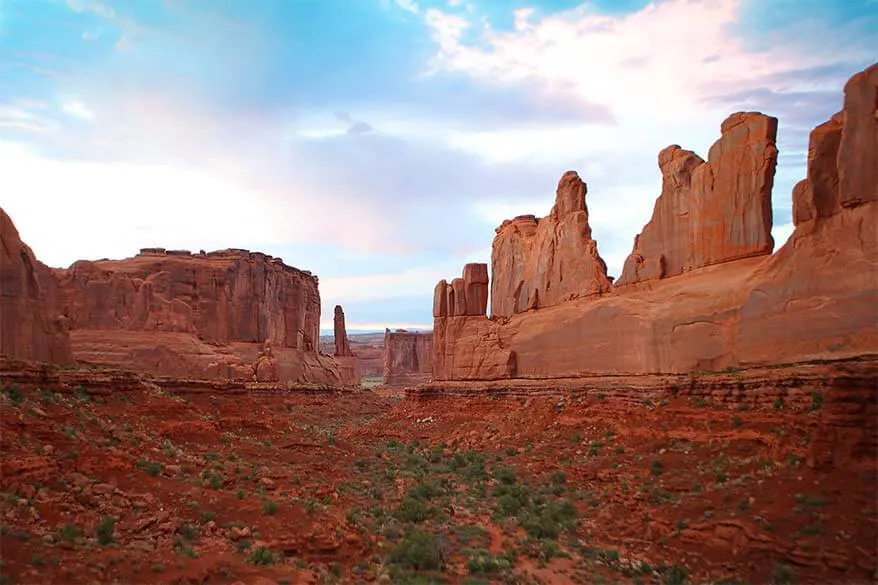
31,327
543,262
716,299
224,296
710,212
407,357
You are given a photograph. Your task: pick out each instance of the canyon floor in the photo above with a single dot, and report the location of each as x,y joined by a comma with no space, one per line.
151,486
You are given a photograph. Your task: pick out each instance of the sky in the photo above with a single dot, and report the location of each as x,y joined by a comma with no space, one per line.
378,143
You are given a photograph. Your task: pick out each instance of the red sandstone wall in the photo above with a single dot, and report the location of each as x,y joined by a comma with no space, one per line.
407,357
704,295
31,326
225,296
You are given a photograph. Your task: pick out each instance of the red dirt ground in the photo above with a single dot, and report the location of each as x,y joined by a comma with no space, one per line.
145,486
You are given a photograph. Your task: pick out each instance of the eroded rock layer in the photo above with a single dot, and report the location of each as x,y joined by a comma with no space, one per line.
407,357
730,304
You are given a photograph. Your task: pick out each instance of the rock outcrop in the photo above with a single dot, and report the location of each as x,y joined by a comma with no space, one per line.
407,357
543,262
230,314
226,314
31,326
342,347
710,212
730,304
226,296
464,296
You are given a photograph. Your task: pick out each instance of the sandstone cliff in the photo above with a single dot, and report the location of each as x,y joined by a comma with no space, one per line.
543,262
224,296
226,314
710,212
730,303
31,326
407,357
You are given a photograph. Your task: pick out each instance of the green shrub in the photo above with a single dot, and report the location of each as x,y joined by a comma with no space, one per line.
419,551
16,396
262,556
105,530
412,510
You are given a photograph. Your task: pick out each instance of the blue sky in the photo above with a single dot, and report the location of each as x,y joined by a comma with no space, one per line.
378,143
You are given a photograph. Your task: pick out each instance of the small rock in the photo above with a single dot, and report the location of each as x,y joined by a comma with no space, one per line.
102,489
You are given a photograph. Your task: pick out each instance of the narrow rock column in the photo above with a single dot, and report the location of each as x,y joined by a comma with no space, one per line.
342,347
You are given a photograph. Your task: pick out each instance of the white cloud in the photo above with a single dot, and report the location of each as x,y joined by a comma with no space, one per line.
408,5
659,61
522,16
447,29
77,109
22,115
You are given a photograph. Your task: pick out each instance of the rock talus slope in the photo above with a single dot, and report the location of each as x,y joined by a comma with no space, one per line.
701,290
31,326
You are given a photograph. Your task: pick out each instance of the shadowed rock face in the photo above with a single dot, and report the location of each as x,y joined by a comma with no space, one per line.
407,357
710,212
543,262
31,326
703,291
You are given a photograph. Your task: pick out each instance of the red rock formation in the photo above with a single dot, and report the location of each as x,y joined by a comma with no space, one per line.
30,325
858,167
814,299
407,357
464,296
228,314
710,212
543,262
342,347
225,296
